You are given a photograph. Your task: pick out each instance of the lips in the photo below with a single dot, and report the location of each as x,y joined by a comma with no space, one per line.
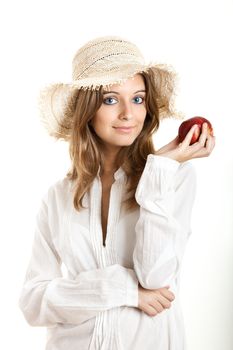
123,129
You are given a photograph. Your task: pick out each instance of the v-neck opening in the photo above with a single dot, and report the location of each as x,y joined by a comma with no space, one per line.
105,236
116,176
104,249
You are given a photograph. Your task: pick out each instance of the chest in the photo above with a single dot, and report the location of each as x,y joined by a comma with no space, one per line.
106,190
80,236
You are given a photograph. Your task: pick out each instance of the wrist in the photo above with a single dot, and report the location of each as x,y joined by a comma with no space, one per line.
169,155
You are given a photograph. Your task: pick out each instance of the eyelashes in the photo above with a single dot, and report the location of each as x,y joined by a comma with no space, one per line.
108,99
112,100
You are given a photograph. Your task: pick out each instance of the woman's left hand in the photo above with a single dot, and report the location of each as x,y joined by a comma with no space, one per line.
183,151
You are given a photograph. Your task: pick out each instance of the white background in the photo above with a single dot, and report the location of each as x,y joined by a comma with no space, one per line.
38,41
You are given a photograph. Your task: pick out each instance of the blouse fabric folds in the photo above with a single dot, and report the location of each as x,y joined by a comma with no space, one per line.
94,304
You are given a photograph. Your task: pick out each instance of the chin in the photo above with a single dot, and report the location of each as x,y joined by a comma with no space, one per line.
121,143
125,144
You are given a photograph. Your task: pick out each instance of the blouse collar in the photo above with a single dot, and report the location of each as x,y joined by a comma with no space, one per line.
117,175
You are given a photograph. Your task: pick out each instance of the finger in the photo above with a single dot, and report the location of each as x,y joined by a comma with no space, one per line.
168,294
210,144
198,151
165,302
157,305
151,311
204,134
188,137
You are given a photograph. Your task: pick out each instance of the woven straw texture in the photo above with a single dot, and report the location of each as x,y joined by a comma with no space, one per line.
102,62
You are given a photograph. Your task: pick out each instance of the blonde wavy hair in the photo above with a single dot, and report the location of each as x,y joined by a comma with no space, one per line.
85,145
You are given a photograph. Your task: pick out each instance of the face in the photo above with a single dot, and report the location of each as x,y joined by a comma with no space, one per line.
121,116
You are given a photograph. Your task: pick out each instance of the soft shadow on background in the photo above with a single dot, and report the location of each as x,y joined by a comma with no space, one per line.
38,41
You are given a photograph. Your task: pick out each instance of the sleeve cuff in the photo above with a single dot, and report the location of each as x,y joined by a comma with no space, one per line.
132,289
160,162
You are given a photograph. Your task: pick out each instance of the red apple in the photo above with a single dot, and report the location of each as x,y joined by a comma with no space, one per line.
187,124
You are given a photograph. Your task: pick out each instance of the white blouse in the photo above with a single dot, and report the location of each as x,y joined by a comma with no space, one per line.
95,306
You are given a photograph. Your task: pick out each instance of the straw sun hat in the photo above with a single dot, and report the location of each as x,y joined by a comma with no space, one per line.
100,62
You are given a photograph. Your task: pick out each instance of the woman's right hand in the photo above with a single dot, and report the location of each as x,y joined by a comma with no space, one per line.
183,151
154,301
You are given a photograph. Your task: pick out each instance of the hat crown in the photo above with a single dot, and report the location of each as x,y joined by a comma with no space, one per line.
105,55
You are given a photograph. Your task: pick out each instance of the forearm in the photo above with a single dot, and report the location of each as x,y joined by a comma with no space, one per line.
63,300
165,195
48,298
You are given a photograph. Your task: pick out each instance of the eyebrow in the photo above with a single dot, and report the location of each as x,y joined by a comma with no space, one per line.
115,92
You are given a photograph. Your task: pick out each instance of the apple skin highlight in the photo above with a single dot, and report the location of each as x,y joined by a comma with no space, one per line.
187,124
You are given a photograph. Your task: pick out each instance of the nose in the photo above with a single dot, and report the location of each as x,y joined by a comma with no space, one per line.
126,111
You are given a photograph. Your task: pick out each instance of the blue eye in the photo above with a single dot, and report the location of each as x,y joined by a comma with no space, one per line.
138,99
109,101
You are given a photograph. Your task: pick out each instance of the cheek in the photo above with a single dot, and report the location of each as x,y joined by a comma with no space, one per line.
104,118
141,122
97,120
142,112
100,124
142,117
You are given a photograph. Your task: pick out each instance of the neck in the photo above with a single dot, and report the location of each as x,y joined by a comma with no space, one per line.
109,162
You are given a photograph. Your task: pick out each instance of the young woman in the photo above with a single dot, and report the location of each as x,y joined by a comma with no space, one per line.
120,219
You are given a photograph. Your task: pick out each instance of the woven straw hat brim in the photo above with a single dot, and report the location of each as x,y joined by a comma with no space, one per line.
57,101
118,77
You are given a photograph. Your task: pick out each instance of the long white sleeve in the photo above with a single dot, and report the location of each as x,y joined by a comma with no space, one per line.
48,298
165,193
